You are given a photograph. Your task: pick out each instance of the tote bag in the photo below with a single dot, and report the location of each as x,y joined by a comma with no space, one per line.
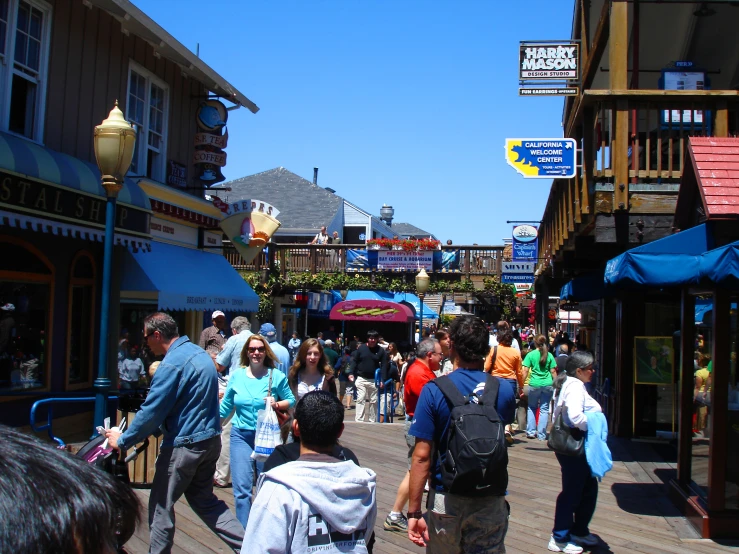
267,435
561,438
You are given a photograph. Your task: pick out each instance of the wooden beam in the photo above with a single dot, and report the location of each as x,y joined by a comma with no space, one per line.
655,95
620,151
618,49
588,158
600,39
722,120
571,205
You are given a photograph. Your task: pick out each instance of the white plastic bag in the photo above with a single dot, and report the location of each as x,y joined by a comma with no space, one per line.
267,435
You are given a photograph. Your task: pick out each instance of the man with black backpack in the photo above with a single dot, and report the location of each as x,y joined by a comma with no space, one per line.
461,418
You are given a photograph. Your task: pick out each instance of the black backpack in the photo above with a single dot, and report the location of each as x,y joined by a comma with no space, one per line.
477,456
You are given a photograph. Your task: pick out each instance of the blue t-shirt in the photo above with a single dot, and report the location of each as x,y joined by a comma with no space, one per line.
433,412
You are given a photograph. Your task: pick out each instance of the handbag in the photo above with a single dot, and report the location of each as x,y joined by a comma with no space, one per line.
562,440
267,433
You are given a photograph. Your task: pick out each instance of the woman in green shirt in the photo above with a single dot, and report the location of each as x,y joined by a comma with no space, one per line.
542,369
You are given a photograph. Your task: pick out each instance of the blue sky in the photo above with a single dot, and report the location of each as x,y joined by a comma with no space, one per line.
403,102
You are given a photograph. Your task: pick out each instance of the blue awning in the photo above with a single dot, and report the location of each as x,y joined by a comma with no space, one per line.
584,288
671,261
32,160
188,279
721,266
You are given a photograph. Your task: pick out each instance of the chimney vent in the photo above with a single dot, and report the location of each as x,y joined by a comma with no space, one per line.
315,175
386,214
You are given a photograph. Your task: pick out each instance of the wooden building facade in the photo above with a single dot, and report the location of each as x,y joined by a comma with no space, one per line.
633,135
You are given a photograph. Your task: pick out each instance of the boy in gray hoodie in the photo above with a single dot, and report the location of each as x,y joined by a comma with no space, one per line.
317,503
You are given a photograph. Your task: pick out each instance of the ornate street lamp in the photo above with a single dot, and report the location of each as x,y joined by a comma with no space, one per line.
114,141
422,285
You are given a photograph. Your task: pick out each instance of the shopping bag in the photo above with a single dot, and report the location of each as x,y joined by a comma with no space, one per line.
267,435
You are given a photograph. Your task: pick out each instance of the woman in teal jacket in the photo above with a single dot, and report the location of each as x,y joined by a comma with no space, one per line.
247,393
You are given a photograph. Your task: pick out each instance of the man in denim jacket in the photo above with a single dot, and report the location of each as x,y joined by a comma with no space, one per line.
183,401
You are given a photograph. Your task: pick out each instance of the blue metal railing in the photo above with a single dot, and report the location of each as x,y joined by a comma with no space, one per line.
388,386
49,402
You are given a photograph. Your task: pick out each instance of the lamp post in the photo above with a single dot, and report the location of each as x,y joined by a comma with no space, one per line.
422,285
343,293
114,141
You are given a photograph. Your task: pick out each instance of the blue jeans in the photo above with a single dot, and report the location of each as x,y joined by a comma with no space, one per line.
243,471
538,397
576,502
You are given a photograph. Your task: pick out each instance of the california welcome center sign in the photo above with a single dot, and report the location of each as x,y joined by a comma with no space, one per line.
554,158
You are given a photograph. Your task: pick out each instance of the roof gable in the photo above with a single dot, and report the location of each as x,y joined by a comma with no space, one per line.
713,173
302,204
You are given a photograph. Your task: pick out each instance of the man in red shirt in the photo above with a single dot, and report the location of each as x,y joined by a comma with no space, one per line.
428,359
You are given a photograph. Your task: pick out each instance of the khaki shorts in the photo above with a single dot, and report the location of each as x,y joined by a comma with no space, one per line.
410,440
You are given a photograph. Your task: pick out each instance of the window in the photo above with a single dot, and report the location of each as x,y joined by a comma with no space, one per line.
147,110
80,323
25,296
24,42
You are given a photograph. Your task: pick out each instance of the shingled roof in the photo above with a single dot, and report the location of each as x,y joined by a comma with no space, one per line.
303,206
709,188
408,230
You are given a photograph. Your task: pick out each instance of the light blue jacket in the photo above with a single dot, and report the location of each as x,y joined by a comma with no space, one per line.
183,399
596,446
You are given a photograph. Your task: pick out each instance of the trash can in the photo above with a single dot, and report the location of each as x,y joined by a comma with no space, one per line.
141,470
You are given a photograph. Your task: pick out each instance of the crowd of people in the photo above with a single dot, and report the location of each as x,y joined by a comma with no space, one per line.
465,381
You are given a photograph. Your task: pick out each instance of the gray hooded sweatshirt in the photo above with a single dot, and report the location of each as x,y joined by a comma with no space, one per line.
312,506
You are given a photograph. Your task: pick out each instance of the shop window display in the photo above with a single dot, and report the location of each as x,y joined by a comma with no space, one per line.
732,428
702,392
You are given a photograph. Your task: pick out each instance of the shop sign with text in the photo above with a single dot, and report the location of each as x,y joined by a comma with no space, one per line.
401,260
209,156
549,61
525,244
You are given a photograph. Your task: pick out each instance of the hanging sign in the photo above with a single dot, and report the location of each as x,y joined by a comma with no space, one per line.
525,245
249,224
401,260
542,158
519,267
209,156
550,91
542,61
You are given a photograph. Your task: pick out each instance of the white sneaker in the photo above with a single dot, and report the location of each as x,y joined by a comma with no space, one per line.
587,540
566,547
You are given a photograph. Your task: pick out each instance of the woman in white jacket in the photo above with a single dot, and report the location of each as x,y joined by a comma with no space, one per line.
576,502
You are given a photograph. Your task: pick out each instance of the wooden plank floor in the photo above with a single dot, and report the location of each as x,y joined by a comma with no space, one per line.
633,514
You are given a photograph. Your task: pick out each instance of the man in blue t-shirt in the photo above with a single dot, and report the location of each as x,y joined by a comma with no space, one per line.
455,523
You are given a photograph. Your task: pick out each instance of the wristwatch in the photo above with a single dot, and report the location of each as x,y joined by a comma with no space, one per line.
418,514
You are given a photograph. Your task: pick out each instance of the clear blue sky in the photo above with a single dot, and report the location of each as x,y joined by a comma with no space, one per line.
404,102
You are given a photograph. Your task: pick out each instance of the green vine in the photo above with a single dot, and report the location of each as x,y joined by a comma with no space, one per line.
275,285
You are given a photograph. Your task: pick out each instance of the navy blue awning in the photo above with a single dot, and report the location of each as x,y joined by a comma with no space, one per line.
188,279
721,266
671,261
584,288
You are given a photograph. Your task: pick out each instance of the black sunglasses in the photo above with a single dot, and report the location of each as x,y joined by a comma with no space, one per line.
253,349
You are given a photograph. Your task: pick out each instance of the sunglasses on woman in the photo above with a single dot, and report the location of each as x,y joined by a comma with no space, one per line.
253,349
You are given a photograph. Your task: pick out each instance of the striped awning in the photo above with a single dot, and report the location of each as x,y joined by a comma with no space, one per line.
24,157
41,225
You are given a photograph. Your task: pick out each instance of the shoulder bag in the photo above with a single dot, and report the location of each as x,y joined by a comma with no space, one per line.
565,440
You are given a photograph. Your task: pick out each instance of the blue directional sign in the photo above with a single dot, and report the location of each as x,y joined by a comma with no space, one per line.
542,158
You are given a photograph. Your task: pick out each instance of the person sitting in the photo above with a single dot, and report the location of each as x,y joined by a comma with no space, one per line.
318,500
54,502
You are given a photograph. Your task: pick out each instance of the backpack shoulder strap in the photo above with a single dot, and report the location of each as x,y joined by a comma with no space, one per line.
450,391
495,355
490,394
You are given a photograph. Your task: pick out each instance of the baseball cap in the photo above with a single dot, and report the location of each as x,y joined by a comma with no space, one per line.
268,331
217,313
7,307
329,342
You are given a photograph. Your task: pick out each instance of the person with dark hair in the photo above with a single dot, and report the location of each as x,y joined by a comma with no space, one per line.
183,402
542,369
576,503
318,501
340,368
311,370
51,501
457,521
445,367
249,388
365,361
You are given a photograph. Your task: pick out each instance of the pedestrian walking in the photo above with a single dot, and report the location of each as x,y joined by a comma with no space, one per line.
576,503
216,333
504,361
467,507
268,331
542,369
250,385
311,371
292,347
183,402
365,361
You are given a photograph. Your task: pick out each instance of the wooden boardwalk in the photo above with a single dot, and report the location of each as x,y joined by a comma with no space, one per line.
633,514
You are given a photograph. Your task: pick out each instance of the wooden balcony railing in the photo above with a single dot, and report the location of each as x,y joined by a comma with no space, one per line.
651,128
473,260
